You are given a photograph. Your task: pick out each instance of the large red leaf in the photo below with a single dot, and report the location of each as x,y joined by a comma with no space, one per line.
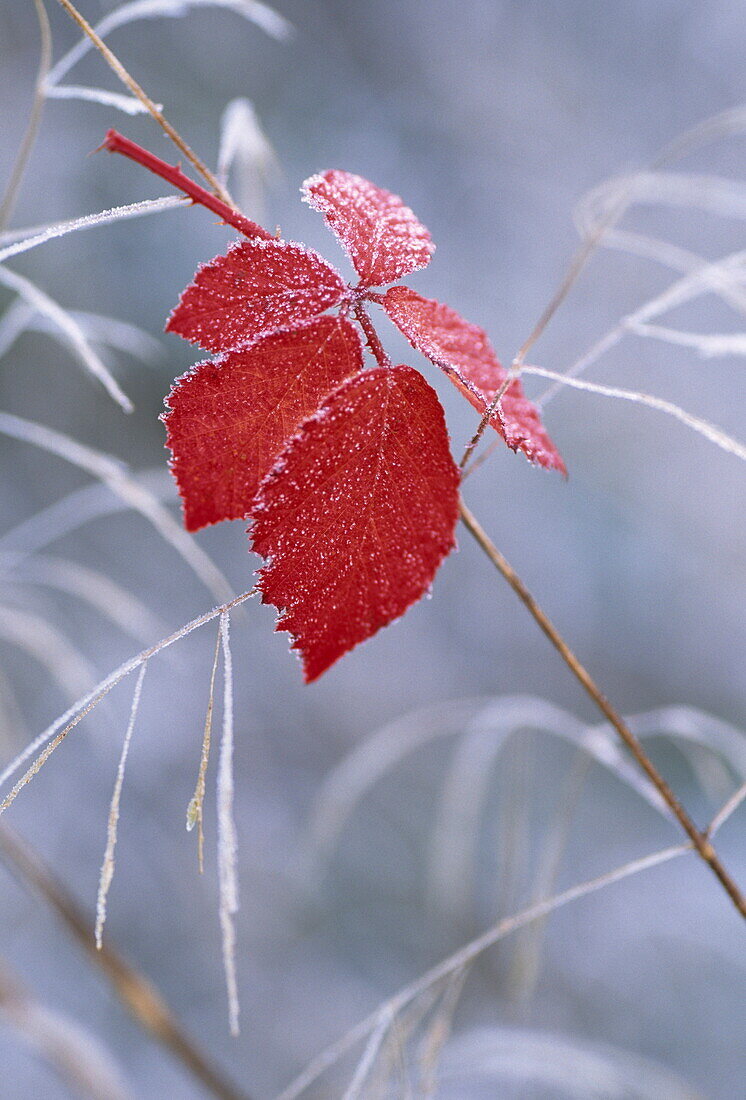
464,352
229,418
258,287
380,234
357,514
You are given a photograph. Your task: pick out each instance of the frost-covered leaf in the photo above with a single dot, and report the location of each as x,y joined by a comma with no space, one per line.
357,514
464,352
258,287
230,417
380,234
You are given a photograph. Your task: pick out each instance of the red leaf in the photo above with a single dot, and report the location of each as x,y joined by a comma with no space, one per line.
464,352
230,417
357,514
380,234
257,288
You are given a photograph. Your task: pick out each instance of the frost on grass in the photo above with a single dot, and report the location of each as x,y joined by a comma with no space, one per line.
702,427
54,734
227,840
107,867
22,240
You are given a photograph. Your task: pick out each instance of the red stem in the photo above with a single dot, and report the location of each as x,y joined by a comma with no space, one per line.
372,337
117,143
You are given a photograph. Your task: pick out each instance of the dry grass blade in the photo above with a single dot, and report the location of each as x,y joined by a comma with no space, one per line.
107,867
194,809
246,152
73,511
712,194
127,104
727,810
438,1033
261,14
366,1063
152,108
708,278
517,1061
707,345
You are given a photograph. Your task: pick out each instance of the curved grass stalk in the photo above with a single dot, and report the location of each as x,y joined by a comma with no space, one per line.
463,957
72,331
47,645
117,477
700,841
152,108
120,607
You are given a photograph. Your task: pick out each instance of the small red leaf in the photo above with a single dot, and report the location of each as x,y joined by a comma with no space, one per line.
357,514
258,287
464,352
230,417
380,234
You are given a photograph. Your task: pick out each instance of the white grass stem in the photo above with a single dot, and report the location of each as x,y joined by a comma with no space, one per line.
227,840
107,867
702,427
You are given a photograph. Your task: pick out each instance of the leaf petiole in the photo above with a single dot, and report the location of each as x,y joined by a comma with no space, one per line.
115,142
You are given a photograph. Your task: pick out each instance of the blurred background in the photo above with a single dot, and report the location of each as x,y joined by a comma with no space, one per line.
492,119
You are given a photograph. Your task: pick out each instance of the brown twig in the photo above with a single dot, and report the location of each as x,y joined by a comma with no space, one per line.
116,65
136,992
700,840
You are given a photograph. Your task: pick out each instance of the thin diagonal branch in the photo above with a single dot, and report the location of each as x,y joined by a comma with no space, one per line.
700,840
